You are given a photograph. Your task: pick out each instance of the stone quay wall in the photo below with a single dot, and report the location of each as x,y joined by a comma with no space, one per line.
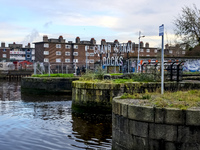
47,84
97,97
90,97
149,128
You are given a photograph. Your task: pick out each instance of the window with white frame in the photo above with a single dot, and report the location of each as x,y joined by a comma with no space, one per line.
58,45
75,60
58,52
155,50
67,60
183,52
67,46
58,60
147,50
147,55
4,55
91,54
75,53
46,59
46,52
67,53
75,46
91,60
46,45
170,51
141,50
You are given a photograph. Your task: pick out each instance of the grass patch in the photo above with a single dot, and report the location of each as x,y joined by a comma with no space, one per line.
122,80
116,74
54,75
180,99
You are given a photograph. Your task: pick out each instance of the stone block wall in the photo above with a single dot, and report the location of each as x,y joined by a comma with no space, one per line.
93,97
47,84
148,128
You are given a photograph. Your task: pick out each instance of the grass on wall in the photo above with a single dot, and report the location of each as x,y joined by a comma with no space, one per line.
179,99
54,75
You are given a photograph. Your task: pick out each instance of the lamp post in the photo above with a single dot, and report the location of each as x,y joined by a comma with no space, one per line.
139,50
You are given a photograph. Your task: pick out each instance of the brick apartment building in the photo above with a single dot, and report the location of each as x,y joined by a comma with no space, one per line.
18,53
58,51
4,52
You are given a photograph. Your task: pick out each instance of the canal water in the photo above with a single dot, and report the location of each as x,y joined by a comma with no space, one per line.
46,122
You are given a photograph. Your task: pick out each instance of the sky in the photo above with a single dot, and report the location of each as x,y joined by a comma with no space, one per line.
25,21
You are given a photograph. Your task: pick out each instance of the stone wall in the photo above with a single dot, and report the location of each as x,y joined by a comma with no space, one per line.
90,97
97,97
47,85
148,128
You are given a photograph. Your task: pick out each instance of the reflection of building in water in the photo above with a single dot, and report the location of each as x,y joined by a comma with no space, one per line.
9,91
88,129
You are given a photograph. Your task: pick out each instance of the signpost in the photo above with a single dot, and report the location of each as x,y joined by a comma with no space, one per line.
161,33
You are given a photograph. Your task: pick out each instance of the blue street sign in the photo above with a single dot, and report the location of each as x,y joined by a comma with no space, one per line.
161,30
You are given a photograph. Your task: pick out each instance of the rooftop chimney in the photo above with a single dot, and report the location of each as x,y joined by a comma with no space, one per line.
45,38
2,44
78,40
103,42
93,41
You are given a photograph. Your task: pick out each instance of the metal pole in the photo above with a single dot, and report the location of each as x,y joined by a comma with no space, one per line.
86,61
49,68
162,69
35,68
138,52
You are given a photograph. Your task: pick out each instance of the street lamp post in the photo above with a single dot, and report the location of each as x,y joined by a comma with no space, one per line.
139,50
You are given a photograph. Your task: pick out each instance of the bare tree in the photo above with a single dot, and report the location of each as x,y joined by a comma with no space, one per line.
188,26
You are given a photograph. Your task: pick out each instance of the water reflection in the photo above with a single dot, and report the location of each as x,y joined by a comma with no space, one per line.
90,131
30,122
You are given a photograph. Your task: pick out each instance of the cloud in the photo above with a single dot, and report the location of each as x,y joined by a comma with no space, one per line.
30,37
47,24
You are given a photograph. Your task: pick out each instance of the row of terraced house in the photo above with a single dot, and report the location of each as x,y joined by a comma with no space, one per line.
57,51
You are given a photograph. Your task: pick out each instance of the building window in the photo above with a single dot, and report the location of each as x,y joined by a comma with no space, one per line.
75,53
4,50
4,55
75,46
109,47
183,52
91,60
147,50
75,60
58,45
92,47
58,52
91,54
141,50
46,52
46,45
46,59
67,60
170,51
147,55
58,60
67,46
155,51
67,53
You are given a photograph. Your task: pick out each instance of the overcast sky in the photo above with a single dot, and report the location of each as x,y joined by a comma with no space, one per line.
23,21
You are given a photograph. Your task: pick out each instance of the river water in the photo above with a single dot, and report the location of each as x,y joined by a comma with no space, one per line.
46,122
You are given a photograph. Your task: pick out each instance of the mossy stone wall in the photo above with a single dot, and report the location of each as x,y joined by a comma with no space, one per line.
47,84
144,127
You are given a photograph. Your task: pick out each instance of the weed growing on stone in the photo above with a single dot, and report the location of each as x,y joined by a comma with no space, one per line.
180,99
54,75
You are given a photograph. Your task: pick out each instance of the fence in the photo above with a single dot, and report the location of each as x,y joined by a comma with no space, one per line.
173,71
